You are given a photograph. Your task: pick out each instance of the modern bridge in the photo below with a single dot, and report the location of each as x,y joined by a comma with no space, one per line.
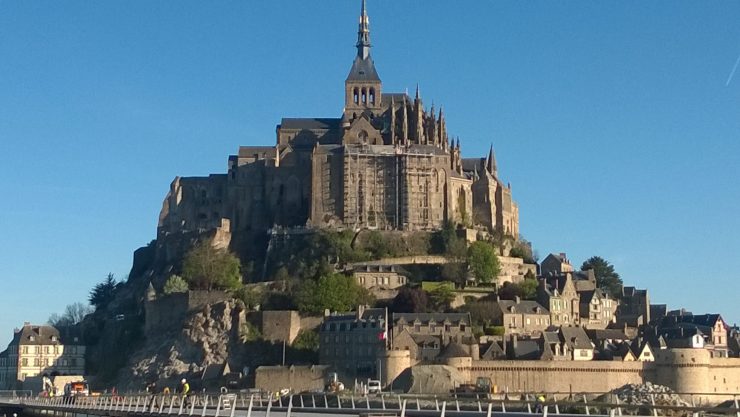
314,405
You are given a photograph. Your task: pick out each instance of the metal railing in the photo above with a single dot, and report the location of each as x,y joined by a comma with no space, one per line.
385,404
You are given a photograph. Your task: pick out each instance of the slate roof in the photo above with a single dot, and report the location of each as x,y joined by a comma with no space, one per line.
397,98
708,320
454,350
43,335
310,123
363,70
471,164
575,338
369,314
526,350
523,307
632,291
606,334
424,318
492,351
249,151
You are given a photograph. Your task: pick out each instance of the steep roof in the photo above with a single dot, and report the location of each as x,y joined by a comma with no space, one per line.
492,351
526,350
43,335
575,338
522,307
454,318
363,70
606,334
454,350
310,123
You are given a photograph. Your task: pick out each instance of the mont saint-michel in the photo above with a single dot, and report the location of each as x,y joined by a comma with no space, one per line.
359,258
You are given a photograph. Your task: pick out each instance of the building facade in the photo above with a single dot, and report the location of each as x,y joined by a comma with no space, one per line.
40,350
351,343
386,163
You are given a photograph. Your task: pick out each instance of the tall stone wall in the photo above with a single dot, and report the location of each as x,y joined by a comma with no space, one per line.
169,310
557,376
280,326
298,378
686,371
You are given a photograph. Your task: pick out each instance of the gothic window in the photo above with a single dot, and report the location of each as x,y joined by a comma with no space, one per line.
362,136
364,96
372,96
356,95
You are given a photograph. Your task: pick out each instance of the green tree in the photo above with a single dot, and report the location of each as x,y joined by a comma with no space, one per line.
455,271
251,296
335,292
483,261
606,277
523,249
526,290
410,300
102,294
441,297
175,283
306,340
208,268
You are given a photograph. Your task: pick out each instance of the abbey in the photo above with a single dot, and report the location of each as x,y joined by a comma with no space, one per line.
387,163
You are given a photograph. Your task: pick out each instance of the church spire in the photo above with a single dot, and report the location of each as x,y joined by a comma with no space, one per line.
491,162
363,34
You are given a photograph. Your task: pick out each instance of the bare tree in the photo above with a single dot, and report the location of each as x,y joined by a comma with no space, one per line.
73,314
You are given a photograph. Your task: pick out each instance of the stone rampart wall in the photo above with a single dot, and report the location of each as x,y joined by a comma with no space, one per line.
557,376
298,378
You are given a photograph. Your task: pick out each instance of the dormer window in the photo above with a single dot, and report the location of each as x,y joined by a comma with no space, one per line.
53,338
32,338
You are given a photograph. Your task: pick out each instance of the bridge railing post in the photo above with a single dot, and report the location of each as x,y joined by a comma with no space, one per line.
249,409
444,409
218,406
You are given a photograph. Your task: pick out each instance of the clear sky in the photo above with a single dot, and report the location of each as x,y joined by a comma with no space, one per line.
613,120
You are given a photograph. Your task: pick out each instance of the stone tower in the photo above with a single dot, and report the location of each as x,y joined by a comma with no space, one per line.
362,86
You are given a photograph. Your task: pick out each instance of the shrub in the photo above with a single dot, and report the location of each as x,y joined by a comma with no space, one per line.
174,284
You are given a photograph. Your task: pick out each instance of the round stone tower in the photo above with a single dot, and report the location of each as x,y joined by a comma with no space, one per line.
683,370
393,363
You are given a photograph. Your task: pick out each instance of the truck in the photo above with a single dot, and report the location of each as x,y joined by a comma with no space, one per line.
482,386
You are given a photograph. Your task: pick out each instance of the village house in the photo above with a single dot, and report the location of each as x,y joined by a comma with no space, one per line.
560,297
522,317
425,335
40,350
350,342
597,309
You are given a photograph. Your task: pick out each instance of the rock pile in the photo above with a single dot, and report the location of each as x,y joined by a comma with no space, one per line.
643,394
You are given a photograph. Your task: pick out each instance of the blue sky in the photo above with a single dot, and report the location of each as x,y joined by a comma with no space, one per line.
612,120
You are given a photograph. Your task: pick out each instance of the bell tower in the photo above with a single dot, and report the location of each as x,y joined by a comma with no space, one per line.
362,88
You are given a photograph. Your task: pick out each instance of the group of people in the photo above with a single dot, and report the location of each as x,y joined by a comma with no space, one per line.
152,389
182,389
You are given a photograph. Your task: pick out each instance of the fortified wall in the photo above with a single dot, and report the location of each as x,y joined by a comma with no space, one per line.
162,312
298,378
686,371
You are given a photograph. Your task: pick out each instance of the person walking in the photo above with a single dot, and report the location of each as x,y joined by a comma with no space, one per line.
184,390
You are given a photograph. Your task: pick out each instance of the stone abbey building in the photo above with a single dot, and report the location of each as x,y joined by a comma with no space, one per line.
387,163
